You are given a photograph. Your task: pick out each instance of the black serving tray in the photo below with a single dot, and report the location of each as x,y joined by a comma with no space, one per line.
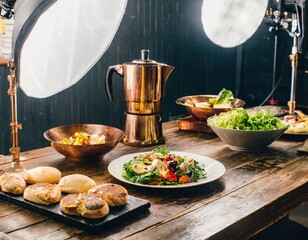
133,207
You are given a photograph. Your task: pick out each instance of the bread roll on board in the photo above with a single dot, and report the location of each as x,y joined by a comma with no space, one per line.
43,193
92,206
43,174
21,172
69,204
12,183
114,194
76,183
88,205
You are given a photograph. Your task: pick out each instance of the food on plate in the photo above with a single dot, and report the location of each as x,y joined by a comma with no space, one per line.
114,194
161,167
297,124
87,205
76,183
43,193
223,100
82,138
44,174
241,119
12,183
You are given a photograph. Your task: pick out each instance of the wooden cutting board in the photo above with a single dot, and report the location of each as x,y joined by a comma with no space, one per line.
191,124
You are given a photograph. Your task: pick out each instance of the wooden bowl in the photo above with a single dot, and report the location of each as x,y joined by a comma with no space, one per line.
84,153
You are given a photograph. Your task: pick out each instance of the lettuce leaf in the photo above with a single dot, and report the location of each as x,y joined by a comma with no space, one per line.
240,119
224,96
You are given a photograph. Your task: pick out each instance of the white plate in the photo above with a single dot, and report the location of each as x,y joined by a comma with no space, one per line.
213,168
298,133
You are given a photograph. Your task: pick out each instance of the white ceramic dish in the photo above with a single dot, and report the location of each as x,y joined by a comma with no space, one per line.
299,133
213,168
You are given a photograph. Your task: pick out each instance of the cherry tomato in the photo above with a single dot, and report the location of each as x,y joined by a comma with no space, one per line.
171,177
171,157
184,179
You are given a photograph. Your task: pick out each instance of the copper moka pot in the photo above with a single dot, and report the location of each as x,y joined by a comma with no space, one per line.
144,87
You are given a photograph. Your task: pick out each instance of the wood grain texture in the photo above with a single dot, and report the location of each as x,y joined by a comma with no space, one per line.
256,190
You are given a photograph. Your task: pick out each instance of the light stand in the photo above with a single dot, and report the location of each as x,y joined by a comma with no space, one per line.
294,63
280,19
15,126
44,34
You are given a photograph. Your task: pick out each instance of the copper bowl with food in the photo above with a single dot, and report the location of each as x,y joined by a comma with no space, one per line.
200,107
84,142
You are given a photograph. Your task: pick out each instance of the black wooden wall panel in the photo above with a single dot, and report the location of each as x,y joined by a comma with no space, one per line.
173,32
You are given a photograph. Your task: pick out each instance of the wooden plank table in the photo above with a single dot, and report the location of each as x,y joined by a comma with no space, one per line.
257,190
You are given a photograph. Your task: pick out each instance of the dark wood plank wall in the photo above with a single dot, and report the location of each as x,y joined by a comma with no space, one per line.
173,32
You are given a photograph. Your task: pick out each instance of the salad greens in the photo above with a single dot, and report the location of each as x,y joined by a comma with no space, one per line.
161,167
161,150
241,119
224,96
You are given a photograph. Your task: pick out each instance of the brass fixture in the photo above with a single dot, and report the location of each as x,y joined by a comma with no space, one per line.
15,126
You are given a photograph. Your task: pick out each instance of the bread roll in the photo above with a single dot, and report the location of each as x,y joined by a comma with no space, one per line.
12,183
21,172
114,194
69,204
92,206
76,183
44,174
88,205
43,193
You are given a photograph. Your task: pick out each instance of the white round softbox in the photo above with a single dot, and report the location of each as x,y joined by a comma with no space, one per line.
56,42
229,23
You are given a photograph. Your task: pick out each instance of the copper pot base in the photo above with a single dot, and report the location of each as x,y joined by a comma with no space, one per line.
143,130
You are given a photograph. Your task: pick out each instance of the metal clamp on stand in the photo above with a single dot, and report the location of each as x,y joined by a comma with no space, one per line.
15,126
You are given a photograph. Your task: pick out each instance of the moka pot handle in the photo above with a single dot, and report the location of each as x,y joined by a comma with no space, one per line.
108,79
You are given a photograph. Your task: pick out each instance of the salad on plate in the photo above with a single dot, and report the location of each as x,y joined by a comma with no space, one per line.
161,167
297,125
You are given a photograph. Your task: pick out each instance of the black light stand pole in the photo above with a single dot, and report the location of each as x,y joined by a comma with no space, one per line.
276,20
294,63
273,99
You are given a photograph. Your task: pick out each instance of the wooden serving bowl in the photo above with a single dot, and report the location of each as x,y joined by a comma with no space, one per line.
84,153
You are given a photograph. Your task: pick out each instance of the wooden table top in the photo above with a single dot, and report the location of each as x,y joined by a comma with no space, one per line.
256,190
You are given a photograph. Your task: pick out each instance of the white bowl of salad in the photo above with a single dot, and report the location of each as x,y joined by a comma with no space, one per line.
247,130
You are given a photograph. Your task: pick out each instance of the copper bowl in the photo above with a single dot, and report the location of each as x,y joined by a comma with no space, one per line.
201,113
84,153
